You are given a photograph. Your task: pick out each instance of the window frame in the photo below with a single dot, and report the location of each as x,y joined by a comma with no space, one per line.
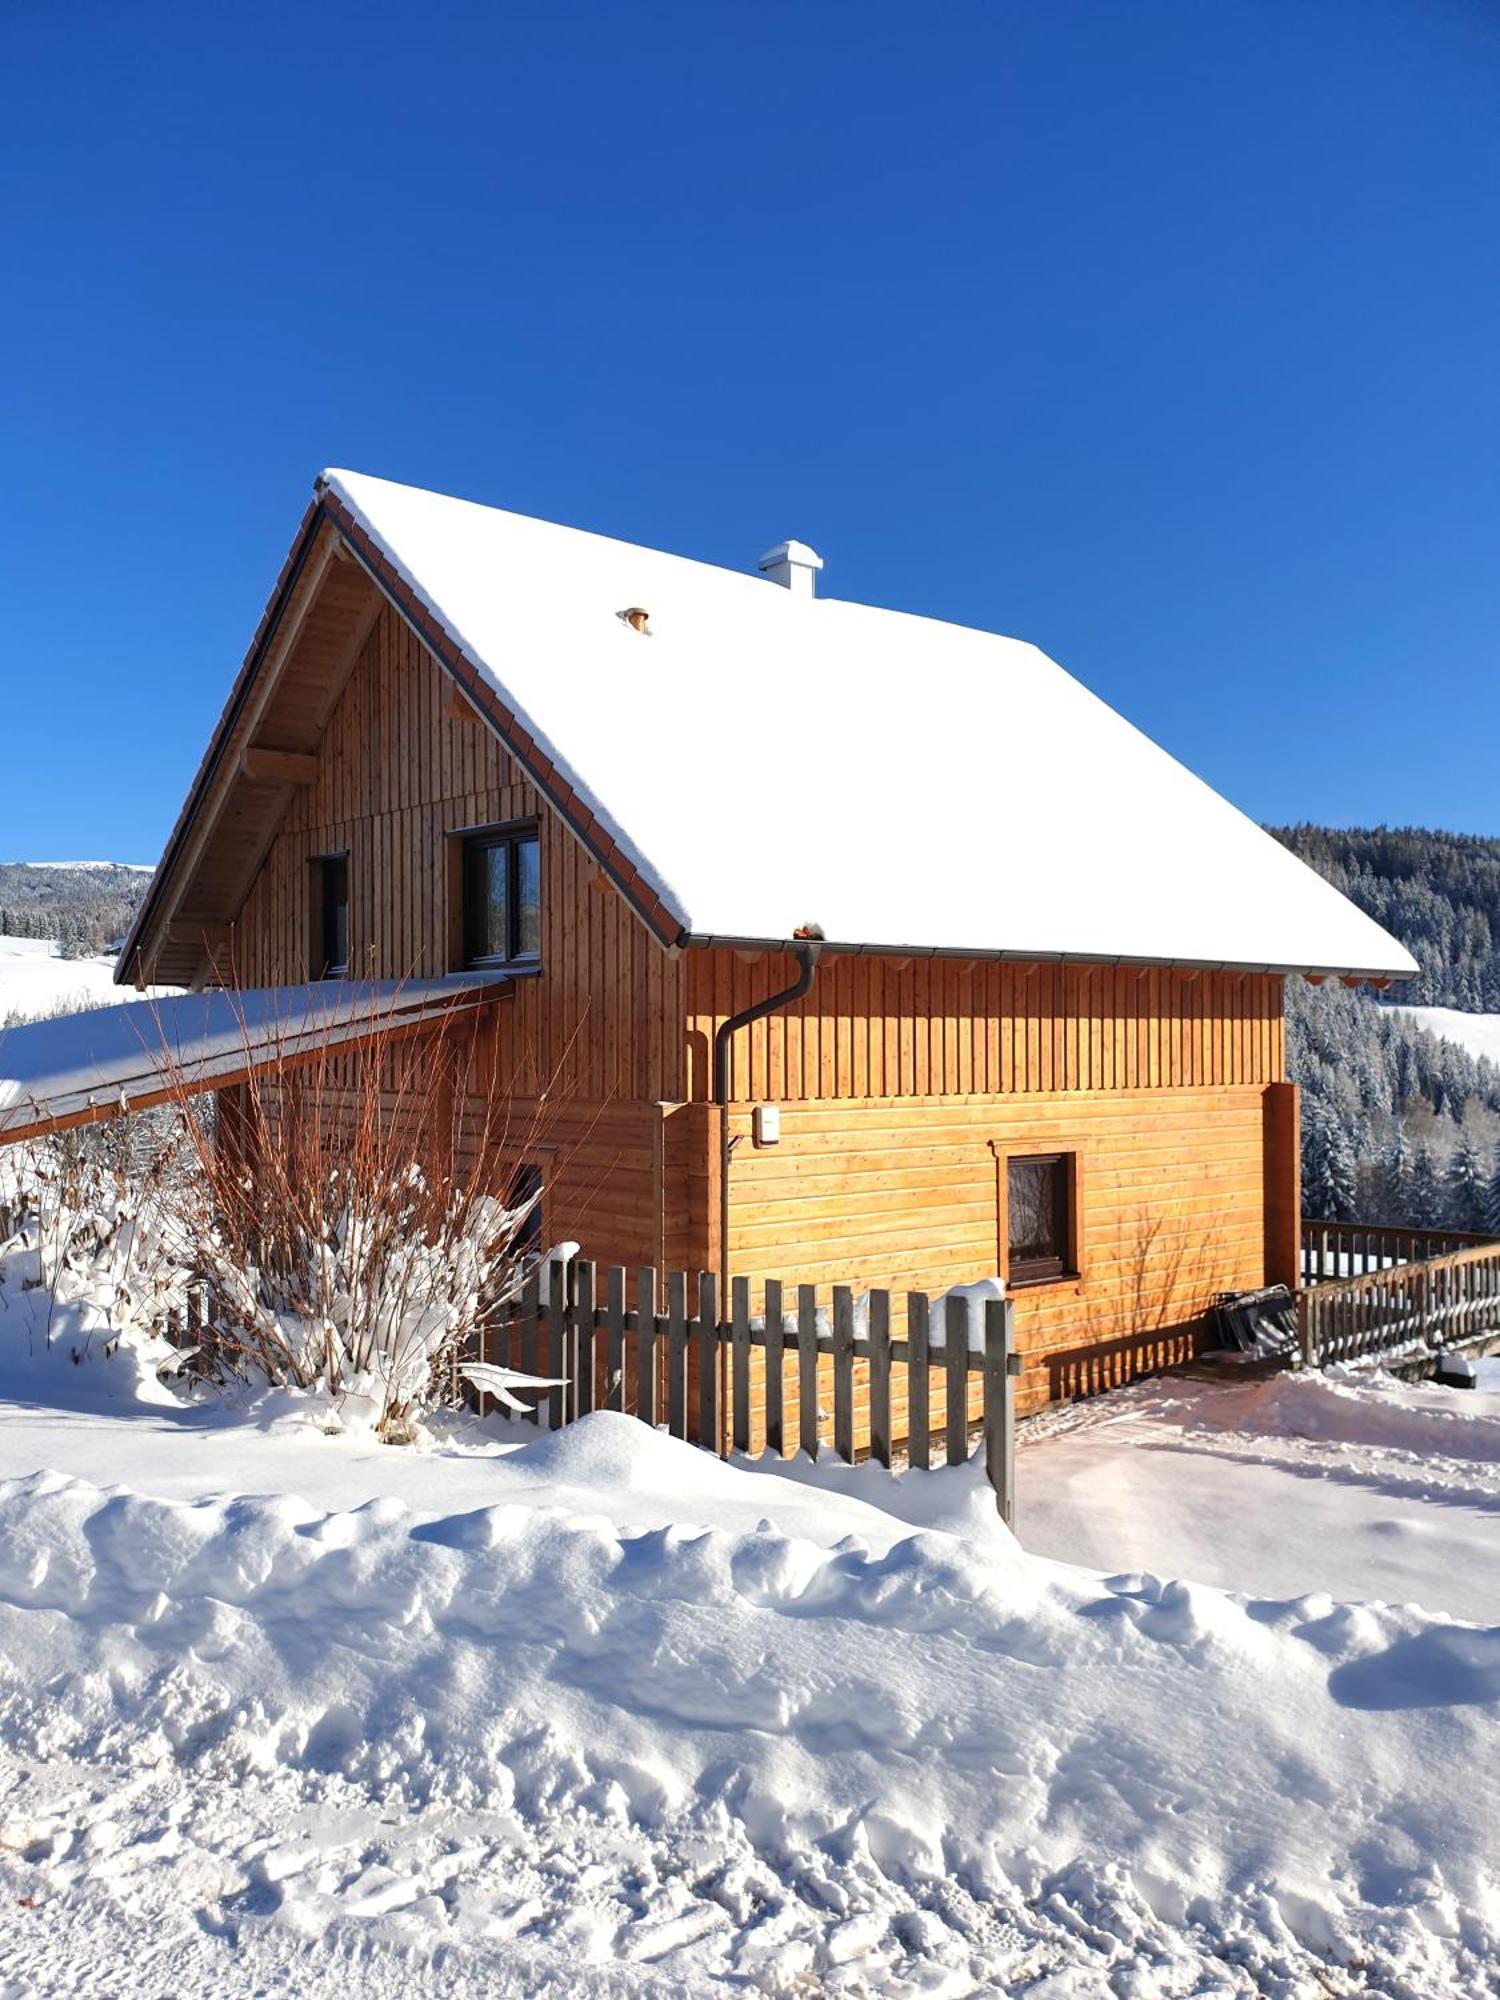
512,835
322,966
1064,1266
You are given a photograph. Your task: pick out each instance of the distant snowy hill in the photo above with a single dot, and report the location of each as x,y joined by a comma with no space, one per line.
84,905
126,867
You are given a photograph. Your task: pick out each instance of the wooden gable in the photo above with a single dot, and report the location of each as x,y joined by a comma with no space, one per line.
403,766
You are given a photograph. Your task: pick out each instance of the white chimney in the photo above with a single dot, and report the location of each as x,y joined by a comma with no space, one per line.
793,565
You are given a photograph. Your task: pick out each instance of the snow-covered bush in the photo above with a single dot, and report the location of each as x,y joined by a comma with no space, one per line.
343,1227
86,1227
331,1226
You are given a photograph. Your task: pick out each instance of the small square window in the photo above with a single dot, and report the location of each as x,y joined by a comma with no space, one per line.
1039,1205
502,909
330,939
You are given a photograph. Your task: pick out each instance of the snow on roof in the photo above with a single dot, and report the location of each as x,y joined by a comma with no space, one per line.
114,1058
769,759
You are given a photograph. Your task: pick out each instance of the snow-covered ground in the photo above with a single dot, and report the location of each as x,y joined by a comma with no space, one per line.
1478,1033
1350,1483
595,1714
34,981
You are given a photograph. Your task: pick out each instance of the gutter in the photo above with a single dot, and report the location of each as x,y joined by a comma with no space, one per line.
809,951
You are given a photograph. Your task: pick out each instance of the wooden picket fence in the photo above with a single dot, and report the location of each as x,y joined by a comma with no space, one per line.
611,1345
1411,1309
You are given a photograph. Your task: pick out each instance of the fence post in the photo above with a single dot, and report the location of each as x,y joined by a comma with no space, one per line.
880,1377
807,1369
531,1305
677,1353
843,1373
708,1361
956,1370
1001,1365
557,1329
739,1363
581,1394
645,1344
775,1342
614,1338
918,1406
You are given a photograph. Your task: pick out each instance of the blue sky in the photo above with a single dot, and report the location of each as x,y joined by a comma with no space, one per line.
1164,335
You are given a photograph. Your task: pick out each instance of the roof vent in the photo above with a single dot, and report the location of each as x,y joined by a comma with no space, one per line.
637,617
793,565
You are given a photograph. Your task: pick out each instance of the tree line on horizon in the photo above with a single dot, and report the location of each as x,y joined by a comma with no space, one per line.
84,909
1399,1125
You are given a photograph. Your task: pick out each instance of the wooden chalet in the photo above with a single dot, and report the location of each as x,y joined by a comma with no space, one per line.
847,946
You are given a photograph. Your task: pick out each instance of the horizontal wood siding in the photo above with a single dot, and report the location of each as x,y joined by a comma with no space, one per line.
944,1027
398,769
904,1195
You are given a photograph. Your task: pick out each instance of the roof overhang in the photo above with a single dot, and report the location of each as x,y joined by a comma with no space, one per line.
332,587
1350,975
78,1069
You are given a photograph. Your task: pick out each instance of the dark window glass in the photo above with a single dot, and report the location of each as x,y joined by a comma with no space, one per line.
331,933
528,899
1038,1213
527,1186
502,897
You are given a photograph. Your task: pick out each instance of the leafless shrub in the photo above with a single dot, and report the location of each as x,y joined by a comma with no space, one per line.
342,1223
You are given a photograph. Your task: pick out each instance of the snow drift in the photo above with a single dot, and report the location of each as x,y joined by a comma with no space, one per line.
932,1766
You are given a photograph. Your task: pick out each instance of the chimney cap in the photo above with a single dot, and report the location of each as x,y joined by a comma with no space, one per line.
793,565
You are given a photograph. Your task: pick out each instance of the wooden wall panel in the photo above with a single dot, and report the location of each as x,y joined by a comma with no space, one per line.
402,764
930,1027
903,1195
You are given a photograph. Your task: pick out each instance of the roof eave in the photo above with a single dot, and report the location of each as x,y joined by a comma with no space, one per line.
705,940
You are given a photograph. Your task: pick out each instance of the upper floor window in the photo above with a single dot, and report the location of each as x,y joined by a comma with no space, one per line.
502,896
1039,1217
330,939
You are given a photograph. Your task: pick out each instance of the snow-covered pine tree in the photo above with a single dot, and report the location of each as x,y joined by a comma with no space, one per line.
1468,1182
1395,1190
1329,1182
1426,1188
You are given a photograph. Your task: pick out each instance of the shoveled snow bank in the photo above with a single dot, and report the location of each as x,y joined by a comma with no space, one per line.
527,1748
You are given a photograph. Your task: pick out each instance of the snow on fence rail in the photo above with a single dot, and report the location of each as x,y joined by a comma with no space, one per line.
1420,1307
704,1378
1335,1250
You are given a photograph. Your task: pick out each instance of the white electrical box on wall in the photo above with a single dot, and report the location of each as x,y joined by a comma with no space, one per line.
766,1124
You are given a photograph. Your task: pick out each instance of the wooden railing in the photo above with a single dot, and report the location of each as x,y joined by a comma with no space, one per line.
1418,1307
1332,1251
705,1378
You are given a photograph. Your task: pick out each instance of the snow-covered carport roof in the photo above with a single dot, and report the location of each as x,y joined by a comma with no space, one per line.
79,1068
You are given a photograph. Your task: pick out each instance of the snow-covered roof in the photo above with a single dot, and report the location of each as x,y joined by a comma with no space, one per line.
768,759
113,1059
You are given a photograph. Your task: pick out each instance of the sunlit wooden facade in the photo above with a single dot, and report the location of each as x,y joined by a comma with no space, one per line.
904,1086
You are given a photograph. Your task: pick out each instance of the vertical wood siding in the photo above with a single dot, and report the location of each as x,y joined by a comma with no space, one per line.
398,771
947,1027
